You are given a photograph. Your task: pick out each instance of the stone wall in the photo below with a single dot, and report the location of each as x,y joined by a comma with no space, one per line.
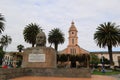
60,72
6,74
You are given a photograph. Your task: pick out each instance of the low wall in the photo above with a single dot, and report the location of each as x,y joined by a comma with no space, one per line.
6,74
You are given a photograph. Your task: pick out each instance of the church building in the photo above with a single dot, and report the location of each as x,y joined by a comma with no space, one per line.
73,47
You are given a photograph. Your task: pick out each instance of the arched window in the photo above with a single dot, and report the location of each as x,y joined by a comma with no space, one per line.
72,50
72,41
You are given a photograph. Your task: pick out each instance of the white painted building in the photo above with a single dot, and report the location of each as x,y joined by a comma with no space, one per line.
116,56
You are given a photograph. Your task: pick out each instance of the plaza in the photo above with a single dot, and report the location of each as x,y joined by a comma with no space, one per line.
39,63
59,40
94,77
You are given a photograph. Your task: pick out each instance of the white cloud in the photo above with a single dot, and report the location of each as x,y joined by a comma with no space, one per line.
87,14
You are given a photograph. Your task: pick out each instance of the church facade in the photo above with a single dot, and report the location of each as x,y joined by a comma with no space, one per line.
73,47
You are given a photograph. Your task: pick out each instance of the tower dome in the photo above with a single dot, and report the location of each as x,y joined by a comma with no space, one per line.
72,28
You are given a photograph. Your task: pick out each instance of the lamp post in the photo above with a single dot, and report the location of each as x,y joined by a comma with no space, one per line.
102,60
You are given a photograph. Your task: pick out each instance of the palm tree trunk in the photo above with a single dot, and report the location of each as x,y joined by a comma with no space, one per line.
50,44
110,54
56,46
20,50
1,48
33,45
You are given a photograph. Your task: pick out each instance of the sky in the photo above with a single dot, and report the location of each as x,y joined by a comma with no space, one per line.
50,14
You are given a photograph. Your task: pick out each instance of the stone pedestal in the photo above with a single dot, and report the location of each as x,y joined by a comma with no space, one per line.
39,57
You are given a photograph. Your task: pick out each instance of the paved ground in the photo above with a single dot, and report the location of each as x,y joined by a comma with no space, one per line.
94,77
116,76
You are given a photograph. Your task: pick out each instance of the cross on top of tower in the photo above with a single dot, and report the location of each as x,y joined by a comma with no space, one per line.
72,22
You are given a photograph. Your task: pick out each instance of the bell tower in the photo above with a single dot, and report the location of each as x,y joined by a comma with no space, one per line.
73,38
73,47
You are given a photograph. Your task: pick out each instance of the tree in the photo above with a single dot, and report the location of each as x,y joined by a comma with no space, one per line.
1,23
105,60
18,57
108,34
56,37
1,56
5,41
30,32
73,59
94,60
83,59
20,47
2,20
62,58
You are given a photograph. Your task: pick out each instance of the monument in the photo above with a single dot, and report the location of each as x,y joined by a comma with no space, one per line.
39,56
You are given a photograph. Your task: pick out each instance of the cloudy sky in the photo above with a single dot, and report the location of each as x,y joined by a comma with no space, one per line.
49,14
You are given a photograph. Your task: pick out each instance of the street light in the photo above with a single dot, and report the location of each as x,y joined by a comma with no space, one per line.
102,60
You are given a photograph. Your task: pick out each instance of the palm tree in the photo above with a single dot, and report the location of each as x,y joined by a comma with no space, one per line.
1,23
30,32
56,37
20,47
5,41
108,34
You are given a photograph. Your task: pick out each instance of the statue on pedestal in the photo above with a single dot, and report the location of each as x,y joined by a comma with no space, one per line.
39,56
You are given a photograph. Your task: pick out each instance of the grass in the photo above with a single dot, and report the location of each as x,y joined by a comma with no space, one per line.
113,72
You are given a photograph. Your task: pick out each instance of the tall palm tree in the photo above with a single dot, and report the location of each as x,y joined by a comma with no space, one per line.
30,32
20,47
1,23
5,41
108,34
56,37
